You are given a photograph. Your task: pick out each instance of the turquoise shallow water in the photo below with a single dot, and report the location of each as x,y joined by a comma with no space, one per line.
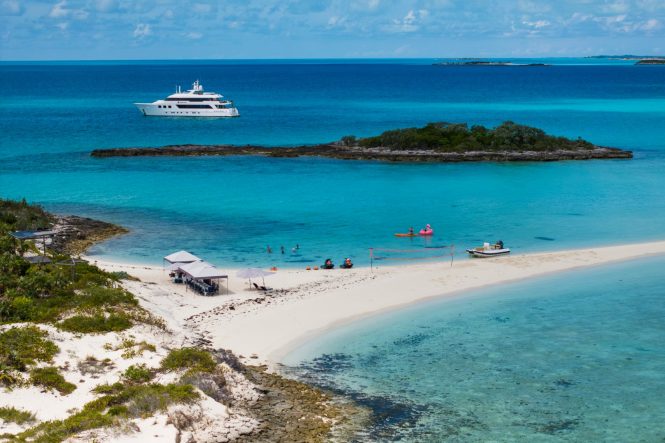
576,357
229,209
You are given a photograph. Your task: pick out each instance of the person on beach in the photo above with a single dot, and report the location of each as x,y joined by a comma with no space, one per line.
328,264
347,264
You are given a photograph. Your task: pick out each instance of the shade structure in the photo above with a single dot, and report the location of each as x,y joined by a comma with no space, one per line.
174,266
181,257
202,269
252,273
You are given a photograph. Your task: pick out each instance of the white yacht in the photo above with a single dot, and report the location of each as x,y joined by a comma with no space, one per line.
193,103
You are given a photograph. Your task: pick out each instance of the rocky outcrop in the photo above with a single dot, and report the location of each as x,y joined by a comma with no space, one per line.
76,234
341,152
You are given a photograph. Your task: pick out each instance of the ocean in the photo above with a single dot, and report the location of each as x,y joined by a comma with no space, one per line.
228,210
571,357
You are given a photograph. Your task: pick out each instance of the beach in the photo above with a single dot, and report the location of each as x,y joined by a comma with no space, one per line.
263,328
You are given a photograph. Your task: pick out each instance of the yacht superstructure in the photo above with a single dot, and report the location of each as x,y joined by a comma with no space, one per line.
192,103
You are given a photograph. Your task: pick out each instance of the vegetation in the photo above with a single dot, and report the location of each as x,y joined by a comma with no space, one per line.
21,348
50,378
23,216
10,414
138,374
76,297
131,348
119,402
98,323
458,137
189,358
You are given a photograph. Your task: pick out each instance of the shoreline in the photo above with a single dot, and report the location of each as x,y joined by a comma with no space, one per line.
265,328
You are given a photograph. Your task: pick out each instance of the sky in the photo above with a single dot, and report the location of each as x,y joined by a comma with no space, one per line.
246,29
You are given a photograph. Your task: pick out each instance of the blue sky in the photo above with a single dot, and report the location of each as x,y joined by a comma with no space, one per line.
168,29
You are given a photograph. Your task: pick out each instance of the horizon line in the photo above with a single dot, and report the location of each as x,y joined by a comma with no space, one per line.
325,58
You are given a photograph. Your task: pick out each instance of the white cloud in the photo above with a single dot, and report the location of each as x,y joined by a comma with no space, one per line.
619,7
538,24
650,25
194,35
60,10
63,26
11,7
142,30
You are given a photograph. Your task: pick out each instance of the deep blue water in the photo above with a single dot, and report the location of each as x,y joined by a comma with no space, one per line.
575,357
228,209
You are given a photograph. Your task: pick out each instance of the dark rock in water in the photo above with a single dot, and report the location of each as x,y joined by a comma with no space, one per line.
559,426
563,383
544,238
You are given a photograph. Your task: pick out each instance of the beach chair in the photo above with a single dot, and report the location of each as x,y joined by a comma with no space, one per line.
261,288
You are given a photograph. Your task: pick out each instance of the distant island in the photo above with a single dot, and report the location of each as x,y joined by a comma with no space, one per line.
435,142
651,61
487,63
626,57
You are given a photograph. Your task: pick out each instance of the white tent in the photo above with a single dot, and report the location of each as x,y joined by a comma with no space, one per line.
181,257
202,269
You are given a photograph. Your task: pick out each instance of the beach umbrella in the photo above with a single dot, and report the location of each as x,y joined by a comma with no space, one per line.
251,273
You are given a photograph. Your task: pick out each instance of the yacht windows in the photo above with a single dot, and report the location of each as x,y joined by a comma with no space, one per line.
193,106
192,99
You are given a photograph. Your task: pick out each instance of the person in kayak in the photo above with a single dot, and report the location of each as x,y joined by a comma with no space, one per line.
411,231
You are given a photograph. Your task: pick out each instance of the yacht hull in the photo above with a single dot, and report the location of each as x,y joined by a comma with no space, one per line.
153,110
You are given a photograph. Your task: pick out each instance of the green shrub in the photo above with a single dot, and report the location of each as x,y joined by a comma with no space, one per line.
189,358
122,275
23,347
98,323
122,401
50,378
58,430
12,415
20,215
456,137
138,374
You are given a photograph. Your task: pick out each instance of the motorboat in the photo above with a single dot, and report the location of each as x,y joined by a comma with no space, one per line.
194,102
488,250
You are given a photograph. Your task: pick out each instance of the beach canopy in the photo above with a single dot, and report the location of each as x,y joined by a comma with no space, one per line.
174,266
31,235
181,257
253,273
202,269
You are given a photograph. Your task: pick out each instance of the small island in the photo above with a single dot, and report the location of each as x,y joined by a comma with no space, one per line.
651,61
487,63
435,142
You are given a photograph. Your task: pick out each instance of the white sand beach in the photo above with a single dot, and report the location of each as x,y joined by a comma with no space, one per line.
264,327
